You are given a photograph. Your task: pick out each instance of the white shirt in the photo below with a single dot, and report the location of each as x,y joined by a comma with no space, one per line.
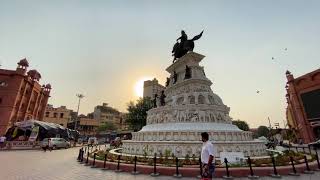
2,139
207,150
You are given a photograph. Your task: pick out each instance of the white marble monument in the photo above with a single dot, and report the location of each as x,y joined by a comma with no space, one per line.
190,108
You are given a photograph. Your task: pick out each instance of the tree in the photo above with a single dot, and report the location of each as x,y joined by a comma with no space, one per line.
107,126
262,131
137,113
241,125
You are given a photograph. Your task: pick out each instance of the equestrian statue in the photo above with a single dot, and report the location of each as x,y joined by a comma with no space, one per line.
181,48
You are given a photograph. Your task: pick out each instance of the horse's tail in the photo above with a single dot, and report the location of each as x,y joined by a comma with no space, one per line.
197,36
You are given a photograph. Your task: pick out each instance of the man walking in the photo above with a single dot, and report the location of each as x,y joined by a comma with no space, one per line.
207,157
2,142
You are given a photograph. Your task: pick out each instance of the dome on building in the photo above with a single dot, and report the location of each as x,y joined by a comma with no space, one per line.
34,74
23,62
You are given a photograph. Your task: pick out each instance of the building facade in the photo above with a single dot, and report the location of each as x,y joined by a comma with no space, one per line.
303,109
152,87
87,126
21,95
106,114
60,115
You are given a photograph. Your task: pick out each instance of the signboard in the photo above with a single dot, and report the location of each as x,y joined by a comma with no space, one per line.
34,133
232,157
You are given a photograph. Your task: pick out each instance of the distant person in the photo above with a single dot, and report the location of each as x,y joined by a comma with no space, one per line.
50,146
2,141
207,157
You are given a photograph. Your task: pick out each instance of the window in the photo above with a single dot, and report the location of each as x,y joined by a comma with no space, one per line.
47,114
61,115
55,115
0,100
201,99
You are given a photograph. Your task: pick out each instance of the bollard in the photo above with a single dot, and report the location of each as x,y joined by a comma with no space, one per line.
82,152
135,172
201,170
87,161
79,155
294,173
104,162
251,176
307,171
309,149
275,172
177,174
118,166
94,160
227,169
155,173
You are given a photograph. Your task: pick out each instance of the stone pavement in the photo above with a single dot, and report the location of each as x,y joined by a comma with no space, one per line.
62,165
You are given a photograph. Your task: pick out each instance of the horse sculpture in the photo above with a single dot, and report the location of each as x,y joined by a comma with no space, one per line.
181,48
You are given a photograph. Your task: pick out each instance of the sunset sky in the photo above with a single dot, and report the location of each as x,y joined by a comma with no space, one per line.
102,49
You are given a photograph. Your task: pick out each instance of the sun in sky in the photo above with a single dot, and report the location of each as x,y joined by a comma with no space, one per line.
138,87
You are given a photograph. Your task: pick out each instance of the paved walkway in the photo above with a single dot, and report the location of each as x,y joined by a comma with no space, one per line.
62,165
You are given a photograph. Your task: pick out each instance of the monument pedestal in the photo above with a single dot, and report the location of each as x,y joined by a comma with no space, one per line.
190,108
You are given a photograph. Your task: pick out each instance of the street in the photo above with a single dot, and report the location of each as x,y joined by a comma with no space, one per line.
62,165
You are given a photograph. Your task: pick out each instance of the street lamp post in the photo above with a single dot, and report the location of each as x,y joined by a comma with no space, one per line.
80,96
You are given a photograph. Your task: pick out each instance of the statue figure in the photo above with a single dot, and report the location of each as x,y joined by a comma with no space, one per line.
167,82
187,74
155,100
181,48
162,98
175,77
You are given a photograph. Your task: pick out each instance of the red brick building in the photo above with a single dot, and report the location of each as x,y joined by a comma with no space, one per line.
303,111
21,95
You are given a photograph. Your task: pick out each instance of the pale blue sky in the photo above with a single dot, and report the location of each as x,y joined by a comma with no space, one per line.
102,48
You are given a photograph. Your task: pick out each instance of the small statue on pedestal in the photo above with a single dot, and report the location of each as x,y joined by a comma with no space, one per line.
187,73
168,82
154,101
162,99
175,77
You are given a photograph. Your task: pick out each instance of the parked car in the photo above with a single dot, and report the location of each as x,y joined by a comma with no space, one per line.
93,141
315,144
56,143
102,140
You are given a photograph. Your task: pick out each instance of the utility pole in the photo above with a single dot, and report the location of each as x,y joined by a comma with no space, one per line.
269,123
80,96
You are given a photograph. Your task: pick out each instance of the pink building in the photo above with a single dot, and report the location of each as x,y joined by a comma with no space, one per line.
303,111
21,95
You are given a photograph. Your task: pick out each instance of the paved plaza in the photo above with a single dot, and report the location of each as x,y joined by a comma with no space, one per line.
62,165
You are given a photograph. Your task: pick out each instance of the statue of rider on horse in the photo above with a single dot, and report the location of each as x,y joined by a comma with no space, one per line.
181,48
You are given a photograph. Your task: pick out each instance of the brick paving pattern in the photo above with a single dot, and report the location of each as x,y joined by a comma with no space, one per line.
62,165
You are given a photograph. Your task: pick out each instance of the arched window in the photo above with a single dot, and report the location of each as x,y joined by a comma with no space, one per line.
211,99
180,100
201,99
191,99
